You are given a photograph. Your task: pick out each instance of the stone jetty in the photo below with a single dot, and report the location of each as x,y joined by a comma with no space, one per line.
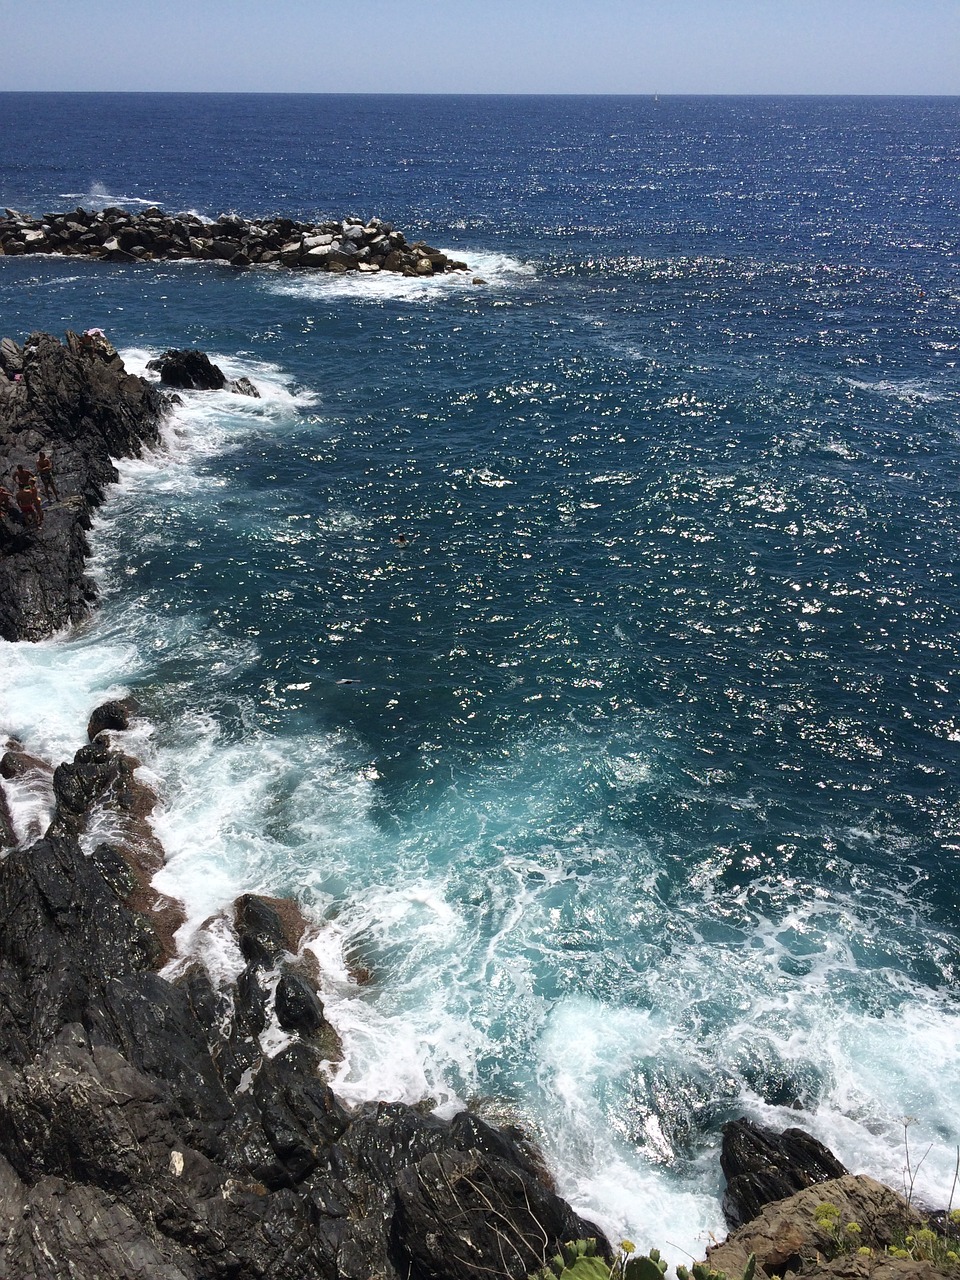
116,235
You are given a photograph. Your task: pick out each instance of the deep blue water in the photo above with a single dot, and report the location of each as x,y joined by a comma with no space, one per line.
641,807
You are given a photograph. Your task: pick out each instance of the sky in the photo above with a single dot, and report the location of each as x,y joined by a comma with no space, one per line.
483,46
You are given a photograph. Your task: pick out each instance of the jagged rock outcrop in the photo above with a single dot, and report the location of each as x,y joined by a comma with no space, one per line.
761,1166
794,1235
192,370
344,244
188,370
114,714
77,403
145,1131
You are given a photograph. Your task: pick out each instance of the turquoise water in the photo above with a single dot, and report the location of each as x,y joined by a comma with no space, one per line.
627,779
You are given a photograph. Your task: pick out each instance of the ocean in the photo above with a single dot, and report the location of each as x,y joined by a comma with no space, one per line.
579,647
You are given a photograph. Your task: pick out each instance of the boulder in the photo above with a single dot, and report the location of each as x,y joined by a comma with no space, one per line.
220,247
188,370
259,930
761,1166
114,714
298,1006
15,763
244,387
11,357
319,256
795,1235
339,260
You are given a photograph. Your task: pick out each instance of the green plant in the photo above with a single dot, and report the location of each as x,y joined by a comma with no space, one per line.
926,1245
578,1260
844,1235
919,1243
582,1260
701,1271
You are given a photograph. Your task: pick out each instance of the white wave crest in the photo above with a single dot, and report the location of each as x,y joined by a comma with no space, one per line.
497,271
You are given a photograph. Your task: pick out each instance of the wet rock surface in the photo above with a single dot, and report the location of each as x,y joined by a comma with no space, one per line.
188,370
761,1166
144,1130
75,401
342,244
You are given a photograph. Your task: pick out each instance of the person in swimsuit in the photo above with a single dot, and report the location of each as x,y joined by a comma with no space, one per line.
31,508
45,472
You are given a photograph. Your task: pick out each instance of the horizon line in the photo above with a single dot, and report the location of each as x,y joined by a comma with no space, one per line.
480,93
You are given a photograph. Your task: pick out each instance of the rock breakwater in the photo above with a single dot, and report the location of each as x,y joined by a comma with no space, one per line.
116,235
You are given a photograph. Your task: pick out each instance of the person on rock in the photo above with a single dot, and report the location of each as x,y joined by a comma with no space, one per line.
31,508
45,472
23,475
6,497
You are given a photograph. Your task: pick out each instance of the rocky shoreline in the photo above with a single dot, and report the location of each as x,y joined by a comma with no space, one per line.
149,1127
76,401
116,235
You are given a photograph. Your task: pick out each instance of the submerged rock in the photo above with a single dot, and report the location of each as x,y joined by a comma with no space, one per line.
114,714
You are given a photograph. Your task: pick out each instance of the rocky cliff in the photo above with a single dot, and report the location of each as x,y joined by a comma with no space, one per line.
145,1131
76,402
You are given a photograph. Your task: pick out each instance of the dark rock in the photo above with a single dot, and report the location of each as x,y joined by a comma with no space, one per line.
188,370
14,763
143,237
458,1210
298,1006
339,260
144,1133
762,1166
79,402
259,931
110,715
78,785
8,836
244,387
11,357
